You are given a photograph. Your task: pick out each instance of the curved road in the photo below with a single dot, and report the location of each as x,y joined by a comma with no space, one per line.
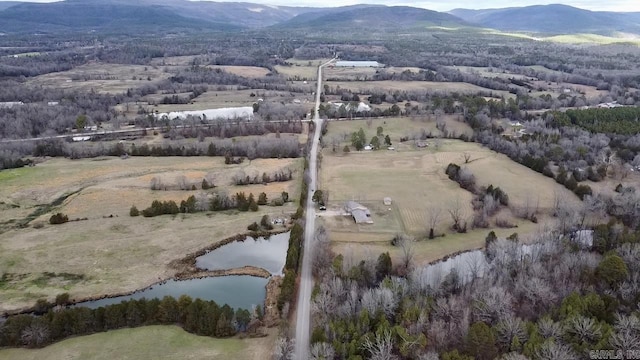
303,312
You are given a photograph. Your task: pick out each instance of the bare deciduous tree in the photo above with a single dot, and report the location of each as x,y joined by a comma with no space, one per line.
381,347
407,250
552,350
284,349
156,183
322,351
510,328
35,334
434,216
322,255
585,329
182,182
457,214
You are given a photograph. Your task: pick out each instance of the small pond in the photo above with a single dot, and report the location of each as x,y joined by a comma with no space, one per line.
236,291
269,254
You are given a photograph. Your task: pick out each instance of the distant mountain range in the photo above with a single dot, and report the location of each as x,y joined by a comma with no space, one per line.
169,15
554,19
371,18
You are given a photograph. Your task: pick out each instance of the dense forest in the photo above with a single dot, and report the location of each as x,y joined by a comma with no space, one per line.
554,299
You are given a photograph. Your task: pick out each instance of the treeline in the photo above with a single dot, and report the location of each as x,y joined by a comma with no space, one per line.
486,203
462,176
291,267
279,176
620,120
295,249
250,148
11,155
42,63
202,202
205,318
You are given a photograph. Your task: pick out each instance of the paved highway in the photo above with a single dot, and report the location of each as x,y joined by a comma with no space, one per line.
303,312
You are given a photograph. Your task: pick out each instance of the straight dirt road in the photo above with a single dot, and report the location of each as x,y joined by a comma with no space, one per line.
303,312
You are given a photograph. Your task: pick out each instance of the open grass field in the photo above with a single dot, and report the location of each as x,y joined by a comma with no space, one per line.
362,73
489,72
395,128
184,60
148,343
415,179
111,252
212,99
366,87
363,246
107,78
246,71
298,72
215,99
349,73
297,69
593,39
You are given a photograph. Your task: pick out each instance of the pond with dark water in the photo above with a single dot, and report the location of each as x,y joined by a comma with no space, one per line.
266,253
240,291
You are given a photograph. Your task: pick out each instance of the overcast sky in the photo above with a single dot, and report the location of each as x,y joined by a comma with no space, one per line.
444,5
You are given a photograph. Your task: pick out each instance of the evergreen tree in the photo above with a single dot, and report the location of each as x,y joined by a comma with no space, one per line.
481,342
134,211
383,266
262,199
387,140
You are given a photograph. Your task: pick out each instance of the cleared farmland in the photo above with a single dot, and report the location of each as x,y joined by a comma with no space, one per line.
415,179
111,252
107,78
366,87
148,343
396,128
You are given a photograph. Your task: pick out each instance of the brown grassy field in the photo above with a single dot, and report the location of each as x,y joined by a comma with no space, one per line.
416,182
111,252
365,87
215,99
490,72
108,78
395,128
149,343
349,73
246,71
302,72
362,73
356,247
185,60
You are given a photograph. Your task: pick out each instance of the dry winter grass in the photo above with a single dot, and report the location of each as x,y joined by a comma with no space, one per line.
149,343
119,253
246,71
108,78
395,128
366,87
416,181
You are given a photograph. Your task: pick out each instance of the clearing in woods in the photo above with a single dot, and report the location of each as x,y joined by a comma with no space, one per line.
107,78
366,87
415,179
410,127
148,343
111,252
